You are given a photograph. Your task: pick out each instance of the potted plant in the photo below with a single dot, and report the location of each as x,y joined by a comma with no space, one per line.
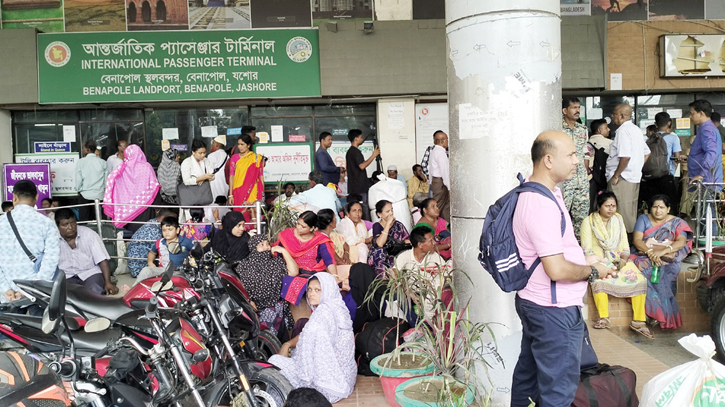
280,217
443,335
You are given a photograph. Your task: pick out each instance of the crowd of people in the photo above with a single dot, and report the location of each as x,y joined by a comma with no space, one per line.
352,228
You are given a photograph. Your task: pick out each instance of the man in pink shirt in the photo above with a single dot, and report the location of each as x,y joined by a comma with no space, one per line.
549,305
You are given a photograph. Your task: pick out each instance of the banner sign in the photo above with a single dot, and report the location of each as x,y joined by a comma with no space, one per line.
179,65
52,147
286,161
38,173
62,170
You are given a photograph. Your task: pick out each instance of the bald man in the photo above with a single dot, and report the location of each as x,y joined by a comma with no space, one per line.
550,304
627,155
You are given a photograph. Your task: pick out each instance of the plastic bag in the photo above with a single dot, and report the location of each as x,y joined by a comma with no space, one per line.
700,383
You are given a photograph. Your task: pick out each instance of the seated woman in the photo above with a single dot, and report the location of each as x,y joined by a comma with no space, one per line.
324,352
353,229
430,218
603,234
389,238
194,228
344,257
663,240
231,242
312,250
261,273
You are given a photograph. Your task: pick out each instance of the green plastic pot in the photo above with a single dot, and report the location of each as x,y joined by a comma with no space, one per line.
405,401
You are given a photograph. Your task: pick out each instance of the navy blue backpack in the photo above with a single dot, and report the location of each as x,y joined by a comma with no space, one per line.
499,253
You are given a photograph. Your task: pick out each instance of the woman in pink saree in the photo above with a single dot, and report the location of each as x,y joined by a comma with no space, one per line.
133,184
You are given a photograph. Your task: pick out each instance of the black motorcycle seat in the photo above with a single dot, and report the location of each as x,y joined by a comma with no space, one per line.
41,285
99,305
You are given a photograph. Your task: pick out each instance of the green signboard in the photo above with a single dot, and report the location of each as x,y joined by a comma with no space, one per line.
178,65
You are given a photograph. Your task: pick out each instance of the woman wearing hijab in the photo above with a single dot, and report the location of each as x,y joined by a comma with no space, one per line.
169,173
132,186
232,241
323,357
261,273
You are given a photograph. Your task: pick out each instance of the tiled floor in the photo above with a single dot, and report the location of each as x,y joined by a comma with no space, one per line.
610,348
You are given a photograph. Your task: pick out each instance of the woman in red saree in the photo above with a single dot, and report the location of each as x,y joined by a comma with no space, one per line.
247,176
312,251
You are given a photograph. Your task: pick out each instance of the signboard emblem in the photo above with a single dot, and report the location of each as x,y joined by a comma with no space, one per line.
57,54
299,49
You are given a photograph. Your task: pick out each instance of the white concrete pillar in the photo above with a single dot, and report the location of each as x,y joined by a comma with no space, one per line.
504,88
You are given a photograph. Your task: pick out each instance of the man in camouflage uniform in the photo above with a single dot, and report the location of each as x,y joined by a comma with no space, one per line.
576,190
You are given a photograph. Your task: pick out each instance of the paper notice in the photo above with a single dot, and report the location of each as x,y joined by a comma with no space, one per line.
595,113
209,131
171,133
471,122
652,111
263,136
277,133
674,113
396,123
615,81
396,109
683,123
69,133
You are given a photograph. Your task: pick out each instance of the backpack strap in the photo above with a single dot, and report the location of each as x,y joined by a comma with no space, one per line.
542,190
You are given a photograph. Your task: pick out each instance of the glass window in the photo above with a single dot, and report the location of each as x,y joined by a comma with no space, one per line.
46,116
27,134
267,111
339,126
294,129
676,105
108,134
337,110
111,115
607,105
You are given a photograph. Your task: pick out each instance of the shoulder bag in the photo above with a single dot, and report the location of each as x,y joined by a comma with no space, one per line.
199,194
37,260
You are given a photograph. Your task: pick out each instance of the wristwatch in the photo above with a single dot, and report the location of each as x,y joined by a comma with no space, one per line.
594,275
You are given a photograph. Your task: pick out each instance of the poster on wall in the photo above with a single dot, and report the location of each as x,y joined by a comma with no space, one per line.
429,118
668,10
45,15
180,65
338,152
322,10
291,162
620,10
95,15
62,170
154,15
429,9
281,13
219,15
692,55
576,7
38,173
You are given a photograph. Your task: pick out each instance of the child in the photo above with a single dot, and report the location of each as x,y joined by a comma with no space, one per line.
171,247
192,228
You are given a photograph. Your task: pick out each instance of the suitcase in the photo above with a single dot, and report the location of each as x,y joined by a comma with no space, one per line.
606,386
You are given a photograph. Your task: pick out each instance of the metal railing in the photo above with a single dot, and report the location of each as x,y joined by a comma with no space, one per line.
98,223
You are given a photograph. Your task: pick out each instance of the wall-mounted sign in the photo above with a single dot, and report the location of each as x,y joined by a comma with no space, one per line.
52,147
286,162
692,55
179,65
62,170
37,173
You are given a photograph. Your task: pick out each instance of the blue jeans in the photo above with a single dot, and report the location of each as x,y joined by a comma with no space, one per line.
549,363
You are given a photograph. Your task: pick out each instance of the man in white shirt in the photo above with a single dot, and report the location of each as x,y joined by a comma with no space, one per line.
217,159
422,258
439,175
318,197
627,155
116,159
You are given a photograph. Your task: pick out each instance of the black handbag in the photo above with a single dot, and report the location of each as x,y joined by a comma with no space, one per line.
395,246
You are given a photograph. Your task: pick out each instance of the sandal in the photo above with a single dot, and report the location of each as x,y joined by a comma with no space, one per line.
641,328
603,323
